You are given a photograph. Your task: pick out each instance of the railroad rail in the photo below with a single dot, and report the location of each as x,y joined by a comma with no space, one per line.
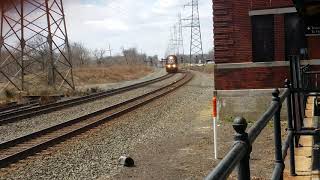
27,112
10,106
18,107
17,149
15,106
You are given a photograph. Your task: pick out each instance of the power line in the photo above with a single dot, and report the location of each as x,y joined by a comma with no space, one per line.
196,51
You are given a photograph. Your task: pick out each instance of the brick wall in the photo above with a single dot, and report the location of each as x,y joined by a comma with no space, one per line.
267,4
314,44
279,38
242,31
281,3
233,44
250,78
256,77
223,31
260,4
232,29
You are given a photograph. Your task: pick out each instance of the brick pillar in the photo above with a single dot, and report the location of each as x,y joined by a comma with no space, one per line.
314,47
279,37
242,31
232,31
223,30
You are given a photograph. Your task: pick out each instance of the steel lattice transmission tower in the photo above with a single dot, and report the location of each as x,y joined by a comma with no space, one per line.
172,46
180,42
176,39
196,51
34,45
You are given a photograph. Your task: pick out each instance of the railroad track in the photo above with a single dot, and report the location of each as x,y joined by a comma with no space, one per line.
19,107
15,107
17,149
27,112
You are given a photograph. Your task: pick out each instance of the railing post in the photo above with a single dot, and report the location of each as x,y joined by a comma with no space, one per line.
277,133
240,125
316,80
290,130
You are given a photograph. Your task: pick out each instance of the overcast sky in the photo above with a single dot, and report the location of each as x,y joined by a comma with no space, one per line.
144,24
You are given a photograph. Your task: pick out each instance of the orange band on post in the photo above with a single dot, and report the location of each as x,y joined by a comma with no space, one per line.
214,106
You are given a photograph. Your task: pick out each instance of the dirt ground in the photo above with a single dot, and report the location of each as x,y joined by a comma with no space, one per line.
190,156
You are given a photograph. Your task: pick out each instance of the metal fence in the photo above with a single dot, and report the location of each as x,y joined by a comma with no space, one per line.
303,84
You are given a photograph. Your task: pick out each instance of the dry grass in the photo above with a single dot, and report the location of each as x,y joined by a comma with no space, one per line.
82,76
110,74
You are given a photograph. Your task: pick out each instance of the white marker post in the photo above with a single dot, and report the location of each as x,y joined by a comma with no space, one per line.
214,115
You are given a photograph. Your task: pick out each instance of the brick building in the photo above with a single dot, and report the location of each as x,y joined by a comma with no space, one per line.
253,40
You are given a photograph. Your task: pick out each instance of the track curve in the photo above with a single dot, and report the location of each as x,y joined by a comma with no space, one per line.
22,147
27,112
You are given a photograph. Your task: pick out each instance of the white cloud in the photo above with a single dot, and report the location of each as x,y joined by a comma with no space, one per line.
144,23
165,6
108,24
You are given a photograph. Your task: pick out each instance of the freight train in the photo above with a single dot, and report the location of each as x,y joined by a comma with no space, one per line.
172,64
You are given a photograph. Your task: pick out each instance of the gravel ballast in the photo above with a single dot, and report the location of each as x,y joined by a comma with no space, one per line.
170,138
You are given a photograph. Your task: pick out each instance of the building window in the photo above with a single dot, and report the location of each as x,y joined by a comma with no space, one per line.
263,38
296,41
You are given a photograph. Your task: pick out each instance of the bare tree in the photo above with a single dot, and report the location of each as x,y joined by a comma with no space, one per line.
154,60
80,54
125,55
133,56
39,51
99,55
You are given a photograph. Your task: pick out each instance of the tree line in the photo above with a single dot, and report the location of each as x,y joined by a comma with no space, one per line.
82,56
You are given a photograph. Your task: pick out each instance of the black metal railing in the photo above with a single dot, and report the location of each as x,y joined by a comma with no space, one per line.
295,96
240,152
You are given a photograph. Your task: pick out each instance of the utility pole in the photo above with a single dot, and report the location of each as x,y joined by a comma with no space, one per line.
109,50
196,51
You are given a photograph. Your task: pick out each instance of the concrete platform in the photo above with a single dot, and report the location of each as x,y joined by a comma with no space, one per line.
303,155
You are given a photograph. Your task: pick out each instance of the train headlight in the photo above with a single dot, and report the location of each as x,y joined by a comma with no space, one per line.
169,66
174,65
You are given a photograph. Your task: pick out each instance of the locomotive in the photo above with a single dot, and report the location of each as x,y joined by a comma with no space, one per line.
172,64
